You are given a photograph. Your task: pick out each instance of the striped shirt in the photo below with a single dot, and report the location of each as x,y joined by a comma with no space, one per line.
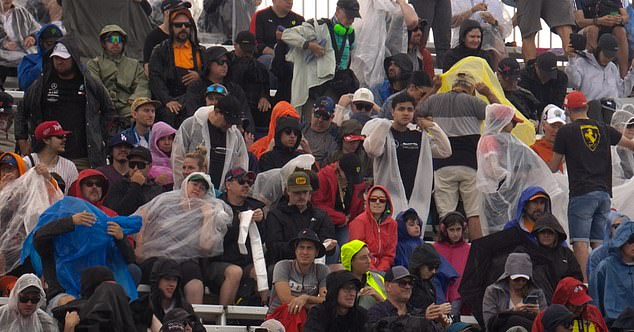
64,168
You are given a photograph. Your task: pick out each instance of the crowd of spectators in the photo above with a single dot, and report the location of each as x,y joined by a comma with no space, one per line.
324,168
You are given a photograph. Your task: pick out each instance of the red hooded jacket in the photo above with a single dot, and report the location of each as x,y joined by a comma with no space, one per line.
324,198
380,238
75,190
563,292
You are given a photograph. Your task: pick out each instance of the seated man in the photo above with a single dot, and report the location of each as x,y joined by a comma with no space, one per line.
23,312
31,66
123,77
143,113
117,169
294,214
508,73
227,270
398,70
137,189
18,37
547,83
288,138
321,132
343,288
300,283
355,257
398,286
609,285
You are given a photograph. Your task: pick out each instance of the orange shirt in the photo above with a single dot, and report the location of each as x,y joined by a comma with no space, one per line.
544,150
183,56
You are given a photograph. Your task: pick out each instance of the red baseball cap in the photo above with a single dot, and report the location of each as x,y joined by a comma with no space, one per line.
575,99
579,295
48,129
353,137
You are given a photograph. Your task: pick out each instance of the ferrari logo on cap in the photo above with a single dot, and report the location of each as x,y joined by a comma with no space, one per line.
591,136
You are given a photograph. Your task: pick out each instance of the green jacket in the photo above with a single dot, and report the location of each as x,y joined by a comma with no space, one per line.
123,77
372,279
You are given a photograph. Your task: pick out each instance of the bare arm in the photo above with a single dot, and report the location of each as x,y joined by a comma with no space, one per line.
409,14
555,162
626,143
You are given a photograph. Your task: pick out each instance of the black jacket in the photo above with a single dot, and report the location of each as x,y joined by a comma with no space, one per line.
253,77
126,197
285,221
280,154
423,293
99,108
551,92
461,51
106,310
231,253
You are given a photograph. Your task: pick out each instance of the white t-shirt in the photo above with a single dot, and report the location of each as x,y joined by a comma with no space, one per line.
64,168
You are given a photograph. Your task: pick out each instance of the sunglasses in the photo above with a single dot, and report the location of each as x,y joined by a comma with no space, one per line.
405,283
630,126
32,299
322,115
137,164
60,136
363,106
217,89
221,62
93,183
182,24
374,199
114,39
289,131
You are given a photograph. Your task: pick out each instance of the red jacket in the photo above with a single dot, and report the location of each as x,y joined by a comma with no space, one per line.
324,198
75,190
565,289
380,238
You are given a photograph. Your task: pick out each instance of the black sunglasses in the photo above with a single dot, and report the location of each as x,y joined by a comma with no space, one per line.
221,62
243,180
137,164
630,126
182,24
32,299
93,183
289,131
363,106
61,136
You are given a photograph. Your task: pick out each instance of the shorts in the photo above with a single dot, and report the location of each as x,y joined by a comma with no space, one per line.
215,273
556,13
587,216
452,183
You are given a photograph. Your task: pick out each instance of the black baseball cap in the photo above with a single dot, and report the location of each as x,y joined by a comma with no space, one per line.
420,79
351,167
351,7
231,108
51,32
6,103
173,4
246,40
140,152
398,272
509,68
547,64
215,53
608,45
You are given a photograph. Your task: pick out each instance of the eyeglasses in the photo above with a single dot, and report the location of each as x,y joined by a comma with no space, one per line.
374,199
363,106
217,88
221,62
93,183
137,164
289,131
32,299
182,24
405,283
114,39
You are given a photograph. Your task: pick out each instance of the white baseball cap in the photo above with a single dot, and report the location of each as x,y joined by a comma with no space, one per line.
61,51
553,114
364,95
516,276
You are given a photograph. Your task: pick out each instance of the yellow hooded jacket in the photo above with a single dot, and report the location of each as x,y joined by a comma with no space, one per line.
372,279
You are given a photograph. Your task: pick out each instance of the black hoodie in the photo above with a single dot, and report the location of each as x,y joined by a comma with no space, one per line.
324,318
423,293
403,61
281,154
461,51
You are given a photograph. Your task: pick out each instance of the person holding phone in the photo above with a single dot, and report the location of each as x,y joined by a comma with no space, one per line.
514,300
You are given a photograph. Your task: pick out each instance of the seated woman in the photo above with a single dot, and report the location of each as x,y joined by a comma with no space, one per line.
377,229
469,44
513,300
161,148
23,312
184,225
355,257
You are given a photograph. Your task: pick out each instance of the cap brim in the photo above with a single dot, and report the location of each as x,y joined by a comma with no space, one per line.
609,54
64,56
247,47
516,119
580,299
299,188
352,13
539,195
555,120
352,138
516,276
321,250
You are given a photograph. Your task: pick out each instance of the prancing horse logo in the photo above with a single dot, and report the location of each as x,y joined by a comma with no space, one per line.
591,136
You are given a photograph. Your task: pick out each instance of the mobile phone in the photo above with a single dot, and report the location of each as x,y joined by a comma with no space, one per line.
531,299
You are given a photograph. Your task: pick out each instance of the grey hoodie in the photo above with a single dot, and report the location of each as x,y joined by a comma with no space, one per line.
595,81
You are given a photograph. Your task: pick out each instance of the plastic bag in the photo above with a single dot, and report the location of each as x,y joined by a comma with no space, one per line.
269,186
22,201
180,227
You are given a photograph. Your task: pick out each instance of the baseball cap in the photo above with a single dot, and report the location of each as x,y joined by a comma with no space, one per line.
353,137
51,32
553,114
299,181
238,173
9,159
215,53
547,64
273,325
538,195
575,99
309,235
607,43
246,40
556,315
61,51
420,79
351,7
48,129
119,139
172,4
199,177
140,152
516,276
231,108
324,106
579,295
351,167
465,78
509,68
396,273
142,101
217,88
6,103
363,95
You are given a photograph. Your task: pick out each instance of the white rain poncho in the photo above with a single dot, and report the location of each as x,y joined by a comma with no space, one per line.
21,203
622,158
379,144
269,186
506,167
379,33
180,227
39,321
492,37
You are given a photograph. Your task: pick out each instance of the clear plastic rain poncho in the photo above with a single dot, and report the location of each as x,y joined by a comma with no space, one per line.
622,158
21,203
492,37
39,321
506,167
378,34
269,186
179,227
